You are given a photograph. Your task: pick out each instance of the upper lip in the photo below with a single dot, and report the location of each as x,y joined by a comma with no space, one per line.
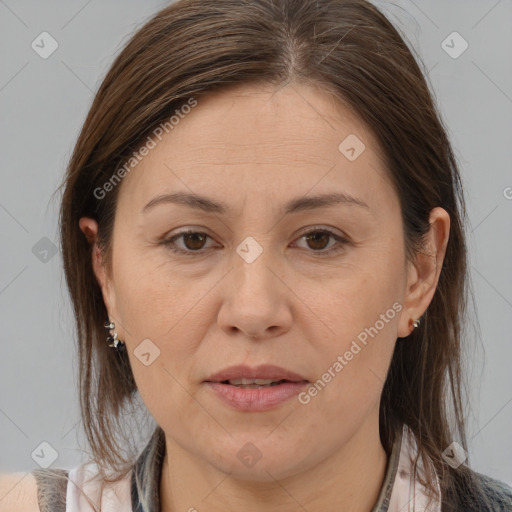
265,371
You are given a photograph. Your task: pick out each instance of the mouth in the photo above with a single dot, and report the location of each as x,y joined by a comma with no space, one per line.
261,376
257,383
255,389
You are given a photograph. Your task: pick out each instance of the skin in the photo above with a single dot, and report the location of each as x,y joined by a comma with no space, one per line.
255,148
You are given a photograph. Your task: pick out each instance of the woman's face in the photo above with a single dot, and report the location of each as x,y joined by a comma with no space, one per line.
262,282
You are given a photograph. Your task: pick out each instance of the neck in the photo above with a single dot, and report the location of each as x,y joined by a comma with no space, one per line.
350,480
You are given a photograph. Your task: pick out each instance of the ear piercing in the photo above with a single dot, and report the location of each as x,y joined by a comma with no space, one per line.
112,338
415,323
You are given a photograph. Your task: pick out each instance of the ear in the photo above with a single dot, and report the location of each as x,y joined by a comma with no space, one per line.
89,227
423,274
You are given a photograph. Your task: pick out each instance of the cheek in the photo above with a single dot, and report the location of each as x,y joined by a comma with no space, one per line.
162,312
353,295
153,295
361,307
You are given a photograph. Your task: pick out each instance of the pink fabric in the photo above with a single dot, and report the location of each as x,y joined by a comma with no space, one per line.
112,498
408,495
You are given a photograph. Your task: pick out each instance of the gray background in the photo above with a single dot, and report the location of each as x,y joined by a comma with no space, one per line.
43,103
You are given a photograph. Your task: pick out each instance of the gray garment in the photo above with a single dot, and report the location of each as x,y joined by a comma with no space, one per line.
51,489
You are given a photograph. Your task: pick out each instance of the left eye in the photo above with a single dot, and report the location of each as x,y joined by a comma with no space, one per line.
318,240
194,241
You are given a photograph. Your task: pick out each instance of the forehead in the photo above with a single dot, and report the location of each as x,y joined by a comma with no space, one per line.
256,140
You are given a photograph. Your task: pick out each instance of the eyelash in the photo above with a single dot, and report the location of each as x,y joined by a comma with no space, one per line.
320,253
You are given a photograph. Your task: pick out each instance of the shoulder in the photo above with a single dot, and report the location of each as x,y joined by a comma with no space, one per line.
497,493
480,493
18,492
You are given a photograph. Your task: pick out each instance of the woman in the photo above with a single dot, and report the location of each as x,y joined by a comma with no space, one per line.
262,228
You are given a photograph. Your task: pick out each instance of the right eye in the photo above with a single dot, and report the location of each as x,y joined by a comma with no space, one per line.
193,242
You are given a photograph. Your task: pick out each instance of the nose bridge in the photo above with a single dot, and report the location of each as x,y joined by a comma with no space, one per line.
254,302
252,265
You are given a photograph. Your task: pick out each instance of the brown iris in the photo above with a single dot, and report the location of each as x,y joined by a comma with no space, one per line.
316,237
197,240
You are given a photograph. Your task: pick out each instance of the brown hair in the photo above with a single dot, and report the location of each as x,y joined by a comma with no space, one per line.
351,50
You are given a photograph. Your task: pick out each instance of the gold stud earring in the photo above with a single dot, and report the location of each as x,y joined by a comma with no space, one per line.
413,323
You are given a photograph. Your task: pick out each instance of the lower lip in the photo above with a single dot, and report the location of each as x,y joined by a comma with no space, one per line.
256,400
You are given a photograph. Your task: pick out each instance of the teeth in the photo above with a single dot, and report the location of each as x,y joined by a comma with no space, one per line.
256,386
259,382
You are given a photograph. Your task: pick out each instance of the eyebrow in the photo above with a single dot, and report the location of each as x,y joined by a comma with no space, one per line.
298,204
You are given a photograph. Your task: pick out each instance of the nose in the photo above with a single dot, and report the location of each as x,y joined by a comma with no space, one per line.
256,300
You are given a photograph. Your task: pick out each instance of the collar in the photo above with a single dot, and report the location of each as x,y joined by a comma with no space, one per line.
401,490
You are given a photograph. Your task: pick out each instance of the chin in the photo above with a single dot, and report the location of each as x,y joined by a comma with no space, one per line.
261,472
259,461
